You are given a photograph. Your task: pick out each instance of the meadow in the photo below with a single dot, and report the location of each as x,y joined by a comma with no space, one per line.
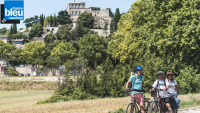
25,102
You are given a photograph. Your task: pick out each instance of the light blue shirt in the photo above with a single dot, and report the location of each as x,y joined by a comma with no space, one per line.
138,82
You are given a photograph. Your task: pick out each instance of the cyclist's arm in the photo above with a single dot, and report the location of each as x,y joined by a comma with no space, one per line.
127,84
176,87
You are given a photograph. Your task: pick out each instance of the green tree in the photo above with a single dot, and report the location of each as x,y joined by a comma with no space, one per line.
30,21
6,50
188,80
93,48
116,19
3,30
111,27
43,21
50,37
86,19
34,51
64,32
65,51
11,71
55,22
53,62
48,19
36,31
63,18
51,21
14,29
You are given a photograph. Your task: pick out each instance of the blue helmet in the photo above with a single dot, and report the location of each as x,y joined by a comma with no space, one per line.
138,68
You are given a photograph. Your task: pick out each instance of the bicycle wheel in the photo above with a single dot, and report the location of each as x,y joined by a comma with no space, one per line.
155,107
133,109
146,106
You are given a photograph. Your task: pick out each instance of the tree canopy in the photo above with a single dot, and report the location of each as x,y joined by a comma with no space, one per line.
30,21
86,19
63,17
36,30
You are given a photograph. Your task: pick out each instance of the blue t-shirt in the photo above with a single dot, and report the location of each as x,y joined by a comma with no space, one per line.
138,82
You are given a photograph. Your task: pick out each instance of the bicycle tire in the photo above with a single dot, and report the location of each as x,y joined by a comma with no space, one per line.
135,108
155,107
146,106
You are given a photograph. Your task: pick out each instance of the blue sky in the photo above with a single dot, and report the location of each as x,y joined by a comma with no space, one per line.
48,7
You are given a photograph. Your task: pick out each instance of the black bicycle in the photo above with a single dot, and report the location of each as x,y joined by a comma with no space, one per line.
135,108
158,105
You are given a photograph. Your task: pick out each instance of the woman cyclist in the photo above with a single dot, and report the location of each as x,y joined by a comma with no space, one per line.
137,82
172,87
161,84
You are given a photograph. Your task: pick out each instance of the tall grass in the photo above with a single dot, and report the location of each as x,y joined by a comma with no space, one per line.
26,85
191,101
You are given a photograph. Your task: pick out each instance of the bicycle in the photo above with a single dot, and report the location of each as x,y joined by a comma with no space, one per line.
158,105
136,108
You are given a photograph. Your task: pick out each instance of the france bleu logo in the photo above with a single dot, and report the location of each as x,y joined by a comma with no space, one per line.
13,9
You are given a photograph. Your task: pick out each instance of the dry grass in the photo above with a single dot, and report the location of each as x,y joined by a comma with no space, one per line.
24,102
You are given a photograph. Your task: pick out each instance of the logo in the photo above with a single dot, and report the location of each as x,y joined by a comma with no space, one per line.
13,9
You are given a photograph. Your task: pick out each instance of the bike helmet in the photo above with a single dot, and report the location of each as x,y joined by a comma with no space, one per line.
169,73
138,68
160,72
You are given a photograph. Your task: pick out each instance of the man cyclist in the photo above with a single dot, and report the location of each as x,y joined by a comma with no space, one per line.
161,84
137,82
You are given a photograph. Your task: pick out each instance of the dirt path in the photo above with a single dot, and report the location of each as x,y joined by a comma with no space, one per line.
190,110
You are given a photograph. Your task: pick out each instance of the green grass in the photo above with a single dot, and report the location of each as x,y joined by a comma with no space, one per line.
192,100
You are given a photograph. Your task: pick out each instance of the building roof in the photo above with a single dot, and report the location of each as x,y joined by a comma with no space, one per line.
15,40
4,36
77,2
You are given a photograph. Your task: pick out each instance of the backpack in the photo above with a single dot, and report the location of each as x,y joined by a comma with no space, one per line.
130,85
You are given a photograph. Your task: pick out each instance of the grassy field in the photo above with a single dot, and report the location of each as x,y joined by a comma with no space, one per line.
25,102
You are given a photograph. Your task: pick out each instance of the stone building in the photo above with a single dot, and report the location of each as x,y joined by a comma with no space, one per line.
4,38
103,17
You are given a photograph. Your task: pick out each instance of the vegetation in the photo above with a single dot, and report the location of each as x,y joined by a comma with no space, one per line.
63,17
36,31
86,19
116,19
30,21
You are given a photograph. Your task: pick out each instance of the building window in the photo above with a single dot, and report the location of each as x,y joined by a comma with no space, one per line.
76,6
79,5
79,12
76,13
72,5
72,12
71,25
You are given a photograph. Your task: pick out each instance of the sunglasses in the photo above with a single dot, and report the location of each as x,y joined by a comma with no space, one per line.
139,70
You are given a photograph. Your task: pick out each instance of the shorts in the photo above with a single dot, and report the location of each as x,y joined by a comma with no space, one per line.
138,97
166,100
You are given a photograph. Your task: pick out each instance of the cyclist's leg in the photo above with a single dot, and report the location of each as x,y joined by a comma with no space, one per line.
140,99
167,101
132,101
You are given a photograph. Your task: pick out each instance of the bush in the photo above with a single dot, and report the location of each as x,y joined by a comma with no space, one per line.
120,110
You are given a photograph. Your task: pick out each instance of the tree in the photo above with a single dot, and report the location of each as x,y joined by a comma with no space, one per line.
11,30
65,51
86,19
6,50
116,19
43,21
30,21
50,37
51,21
55,22
3,30
36,31
53,62
14,29
64,32
34,51
93,48
63,18
48,19
111,27
11,71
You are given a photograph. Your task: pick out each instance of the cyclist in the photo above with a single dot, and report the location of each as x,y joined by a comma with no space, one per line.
161,84
137,82
172,88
